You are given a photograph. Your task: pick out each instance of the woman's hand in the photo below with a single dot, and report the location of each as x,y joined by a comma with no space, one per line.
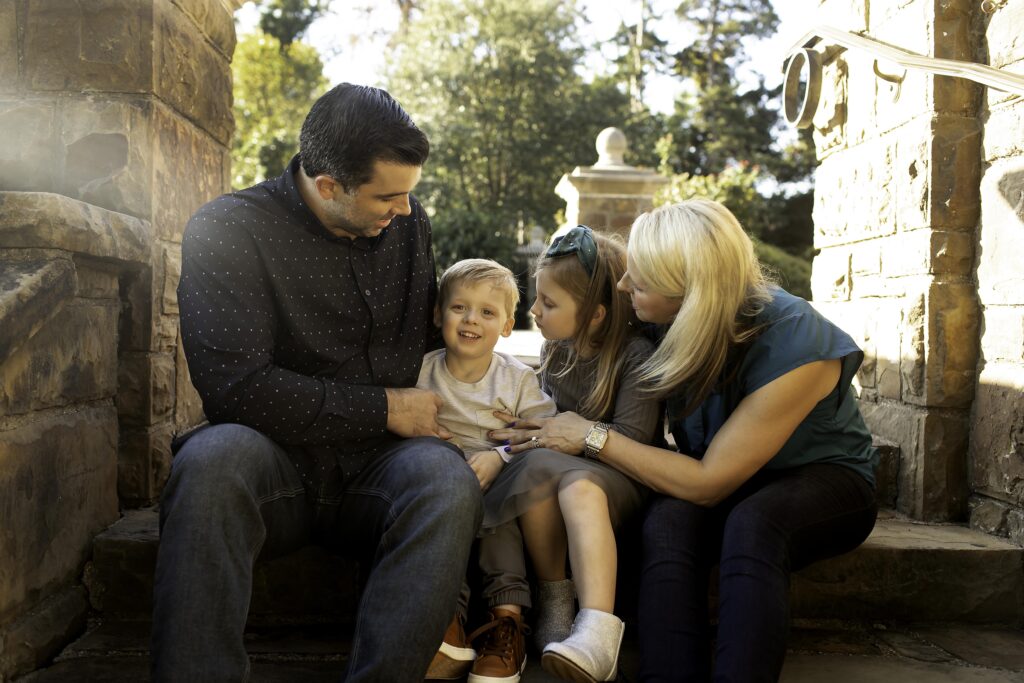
565,432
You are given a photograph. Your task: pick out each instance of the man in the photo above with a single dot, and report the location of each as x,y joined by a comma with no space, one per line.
306,306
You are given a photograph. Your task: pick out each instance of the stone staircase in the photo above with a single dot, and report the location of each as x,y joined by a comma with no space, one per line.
946,581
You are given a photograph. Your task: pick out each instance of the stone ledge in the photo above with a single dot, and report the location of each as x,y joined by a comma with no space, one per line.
39,635
48,220
31,293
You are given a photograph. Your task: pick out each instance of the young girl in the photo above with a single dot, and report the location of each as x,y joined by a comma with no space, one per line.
560,504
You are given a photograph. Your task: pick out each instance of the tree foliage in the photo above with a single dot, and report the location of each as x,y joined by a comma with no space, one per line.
275,86
288,20
494,84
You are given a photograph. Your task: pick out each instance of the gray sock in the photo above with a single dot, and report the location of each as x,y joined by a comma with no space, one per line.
556,607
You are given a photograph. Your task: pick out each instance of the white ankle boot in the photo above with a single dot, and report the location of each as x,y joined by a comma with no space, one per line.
591,652
556,607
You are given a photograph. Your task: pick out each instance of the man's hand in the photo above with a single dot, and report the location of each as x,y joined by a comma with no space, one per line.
413,412
486,465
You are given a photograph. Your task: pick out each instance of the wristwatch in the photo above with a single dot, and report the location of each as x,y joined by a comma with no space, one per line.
596,438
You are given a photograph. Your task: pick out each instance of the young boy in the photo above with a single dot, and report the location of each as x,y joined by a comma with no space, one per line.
476,304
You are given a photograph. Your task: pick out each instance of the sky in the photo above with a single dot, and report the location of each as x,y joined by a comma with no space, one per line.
361,59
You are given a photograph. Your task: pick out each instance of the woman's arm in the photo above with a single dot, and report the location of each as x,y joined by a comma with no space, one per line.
750,437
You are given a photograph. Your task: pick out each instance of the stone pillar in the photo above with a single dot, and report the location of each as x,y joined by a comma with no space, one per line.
997,424
610,194
126,105
896,213
116,123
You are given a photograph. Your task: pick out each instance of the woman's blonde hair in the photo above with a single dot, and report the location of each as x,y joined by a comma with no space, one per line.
611,336
696,250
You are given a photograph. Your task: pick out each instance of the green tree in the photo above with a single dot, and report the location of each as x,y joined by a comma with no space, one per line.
288,20
275,86
495,84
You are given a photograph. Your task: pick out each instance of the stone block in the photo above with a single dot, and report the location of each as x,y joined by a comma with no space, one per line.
956,172
102,45
912,350
171,275
35,638
191,75
928,252
58,473
1004,130
997,435
955,36
215,21
306,583
144,463
188,407
106,152
188,169
831,279
96,279
138,312
28,157
1002,337
1003,35
8,47
71,359
951,344
933,445
830,118
145,391
33,289
913,180
44,220
898,573
1001,241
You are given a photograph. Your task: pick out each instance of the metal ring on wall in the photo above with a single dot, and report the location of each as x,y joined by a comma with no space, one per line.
803,72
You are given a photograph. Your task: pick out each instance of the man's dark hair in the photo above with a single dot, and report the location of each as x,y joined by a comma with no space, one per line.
352,126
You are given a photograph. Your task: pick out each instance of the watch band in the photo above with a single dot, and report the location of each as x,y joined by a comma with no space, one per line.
596,439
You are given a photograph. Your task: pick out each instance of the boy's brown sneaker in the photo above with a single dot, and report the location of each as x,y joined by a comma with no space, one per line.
454,657
502,647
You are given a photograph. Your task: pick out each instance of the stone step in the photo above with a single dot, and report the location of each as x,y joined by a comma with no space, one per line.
118,652
905,571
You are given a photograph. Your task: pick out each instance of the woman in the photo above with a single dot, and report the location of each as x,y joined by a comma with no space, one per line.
775,468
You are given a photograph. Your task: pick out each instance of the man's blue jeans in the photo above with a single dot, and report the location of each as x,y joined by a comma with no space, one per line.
233,496
776,523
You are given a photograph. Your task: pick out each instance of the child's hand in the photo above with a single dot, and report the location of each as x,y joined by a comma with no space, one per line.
486,465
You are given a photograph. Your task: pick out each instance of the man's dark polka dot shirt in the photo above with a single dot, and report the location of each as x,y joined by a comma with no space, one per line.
296,333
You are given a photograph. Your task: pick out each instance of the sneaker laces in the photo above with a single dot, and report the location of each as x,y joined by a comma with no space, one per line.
500,638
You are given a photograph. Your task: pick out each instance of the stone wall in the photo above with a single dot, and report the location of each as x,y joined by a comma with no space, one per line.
116,122
896,212
918,217
997,423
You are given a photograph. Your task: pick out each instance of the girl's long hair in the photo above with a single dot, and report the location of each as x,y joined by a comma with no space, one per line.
611,336
696,250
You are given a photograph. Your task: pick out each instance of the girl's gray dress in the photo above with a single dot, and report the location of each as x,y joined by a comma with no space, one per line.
534,475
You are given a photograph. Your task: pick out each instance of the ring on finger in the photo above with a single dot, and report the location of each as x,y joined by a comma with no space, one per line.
534,442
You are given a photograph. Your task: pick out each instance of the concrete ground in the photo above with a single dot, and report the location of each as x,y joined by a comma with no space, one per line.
116,652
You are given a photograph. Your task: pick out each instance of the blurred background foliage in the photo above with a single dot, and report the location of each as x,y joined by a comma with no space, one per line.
507,92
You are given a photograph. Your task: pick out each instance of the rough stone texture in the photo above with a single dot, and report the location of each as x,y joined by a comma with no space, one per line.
931,480
48,520
214,20
1000,277
309,583
106,152
997,444
899,572
191,75
96,279
144,463
145,392
8,46
43,219
189,170
1004,37
32,289
28,157
37,637
99,45
71,359
1004,132
608,199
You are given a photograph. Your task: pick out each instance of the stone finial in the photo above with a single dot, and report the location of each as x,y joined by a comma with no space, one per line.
611,148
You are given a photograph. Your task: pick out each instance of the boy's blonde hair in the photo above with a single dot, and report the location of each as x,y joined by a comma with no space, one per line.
696,250
474,271
611,337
